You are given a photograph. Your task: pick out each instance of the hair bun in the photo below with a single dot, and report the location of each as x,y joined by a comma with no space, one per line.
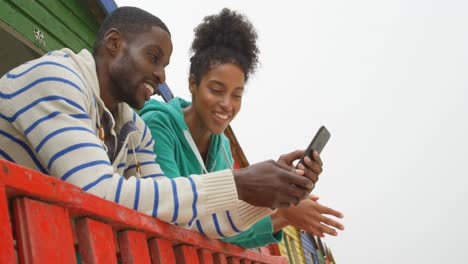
228,29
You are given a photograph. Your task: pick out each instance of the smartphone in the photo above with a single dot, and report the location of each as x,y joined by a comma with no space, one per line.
318,143
165,92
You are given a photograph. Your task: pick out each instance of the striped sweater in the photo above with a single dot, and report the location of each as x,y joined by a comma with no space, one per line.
51,117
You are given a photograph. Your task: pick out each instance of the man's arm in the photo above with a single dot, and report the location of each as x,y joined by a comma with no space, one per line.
53,113
47,103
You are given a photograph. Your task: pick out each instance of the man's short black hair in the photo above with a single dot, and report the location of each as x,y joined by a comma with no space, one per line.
128,20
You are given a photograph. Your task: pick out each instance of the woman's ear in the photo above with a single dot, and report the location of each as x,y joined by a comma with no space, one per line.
192,84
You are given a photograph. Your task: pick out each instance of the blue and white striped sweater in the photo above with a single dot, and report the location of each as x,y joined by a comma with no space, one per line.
50,112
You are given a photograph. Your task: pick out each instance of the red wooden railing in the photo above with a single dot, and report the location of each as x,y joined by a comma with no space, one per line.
45,220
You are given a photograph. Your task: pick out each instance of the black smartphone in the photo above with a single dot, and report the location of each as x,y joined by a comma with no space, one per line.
318,143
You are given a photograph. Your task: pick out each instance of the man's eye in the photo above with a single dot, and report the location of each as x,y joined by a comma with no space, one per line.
154,58
238,96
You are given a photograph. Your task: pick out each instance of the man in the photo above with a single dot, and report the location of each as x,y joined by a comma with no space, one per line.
68,115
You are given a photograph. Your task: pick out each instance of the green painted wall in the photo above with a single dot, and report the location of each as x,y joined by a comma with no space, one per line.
63,23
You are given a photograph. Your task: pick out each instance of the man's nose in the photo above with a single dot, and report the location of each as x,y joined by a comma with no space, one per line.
160,75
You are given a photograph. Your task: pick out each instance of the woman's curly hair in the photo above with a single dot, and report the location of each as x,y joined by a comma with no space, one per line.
227,37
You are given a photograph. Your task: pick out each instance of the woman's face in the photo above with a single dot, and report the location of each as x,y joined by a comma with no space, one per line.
218,97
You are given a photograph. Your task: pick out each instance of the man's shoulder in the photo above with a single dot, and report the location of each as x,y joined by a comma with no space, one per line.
54,63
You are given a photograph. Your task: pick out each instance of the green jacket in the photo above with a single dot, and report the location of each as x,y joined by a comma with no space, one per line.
176,157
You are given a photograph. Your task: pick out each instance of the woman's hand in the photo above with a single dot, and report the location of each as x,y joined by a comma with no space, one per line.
312,217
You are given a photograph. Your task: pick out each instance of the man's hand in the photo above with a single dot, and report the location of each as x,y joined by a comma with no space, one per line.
312,169
309,215
271,184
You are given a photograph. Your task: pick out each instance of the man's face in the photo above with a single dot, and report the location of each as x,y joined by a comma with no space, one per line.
138,66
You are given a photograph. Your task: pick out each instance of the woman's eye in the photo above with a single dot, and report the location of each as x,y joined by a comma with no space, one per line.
216,91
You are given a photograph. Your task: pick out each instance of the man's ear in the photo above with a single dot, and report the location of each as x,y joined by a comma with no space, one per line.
113,41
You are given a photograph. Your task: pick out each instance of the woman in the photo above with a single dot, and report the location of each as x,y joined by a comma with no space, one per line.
189,137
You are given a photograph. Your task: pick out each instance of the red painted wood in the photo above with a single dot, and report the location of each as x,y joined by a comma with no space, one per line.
234,261
265,250
205,256
7,247
161,251
220,259
186,255
21,181
96,241
275,250
43,232
133,247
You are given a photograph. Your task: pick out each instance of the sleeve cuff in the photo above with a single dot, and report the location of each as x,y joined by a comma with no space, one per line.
217,191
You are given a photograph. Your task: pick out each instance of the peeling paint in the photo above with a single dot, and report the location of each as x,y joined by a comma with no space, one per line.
5,169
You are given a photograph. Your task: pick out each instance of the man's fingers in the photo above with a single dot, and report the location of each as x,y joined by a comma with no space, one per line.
283,205
297,194
289,158
314,166
317,158
301,182
295,155
311,175
283,166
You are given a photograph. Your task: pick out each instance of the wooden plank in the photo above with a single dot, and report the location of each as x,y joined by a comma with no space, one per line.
43,232
22,24
234,261
265,250
7,247
274,248
186,255
161,251
96,241
205,256
50,25
67,18
133,247
82,11
21,181
220,259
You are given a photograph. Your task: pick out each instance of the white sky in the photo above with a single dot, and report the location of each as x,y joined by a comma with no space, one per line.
389,80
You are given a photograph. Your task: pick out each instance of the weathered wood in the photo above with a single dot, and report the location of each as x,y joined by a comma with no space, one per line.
205,256
43,232
186,255
234,261
265,250
161,251
20,181
133,247
220,259
96,241
7,247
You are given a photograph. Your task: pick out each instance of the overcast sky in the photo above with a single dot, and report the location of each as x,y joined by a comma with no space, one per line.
390,81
